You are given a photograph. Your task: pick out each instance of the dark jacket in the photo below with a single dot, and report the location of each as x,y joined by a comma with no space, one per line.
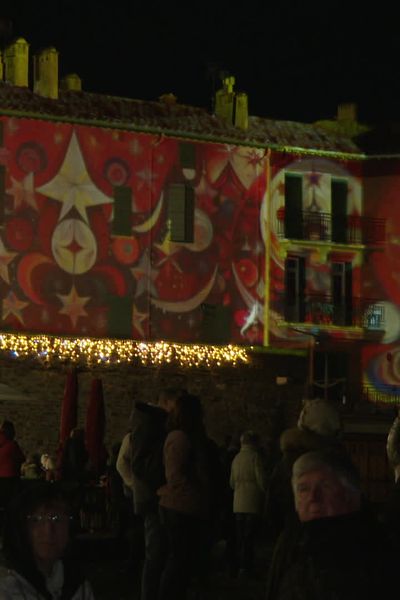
335,558
148,437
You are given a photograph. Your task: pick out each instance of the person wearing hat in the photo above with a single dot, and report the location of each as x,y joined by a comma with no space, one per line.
318,428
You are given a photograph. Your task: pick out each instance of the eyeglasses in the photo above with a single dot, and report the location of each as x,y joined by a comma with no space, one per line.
55,519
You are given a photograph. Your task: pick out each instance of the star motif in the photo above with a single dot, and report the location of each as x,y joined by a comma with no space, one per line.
13,306
23,191
72,185
137,319
255,157
135,147
145,276
5,259
73,305
146,178
313,178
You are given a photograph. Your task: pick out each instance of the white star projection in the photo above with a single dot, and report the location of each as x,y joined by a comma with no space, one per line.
72,185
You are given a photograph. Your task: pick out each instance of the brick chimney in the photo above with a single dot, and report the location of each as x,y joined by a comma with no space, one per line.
347,111
16,61
230,106
45,73
71,82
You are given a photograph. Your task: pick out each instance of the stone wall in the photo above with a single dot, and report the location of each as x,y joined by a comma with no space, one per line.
244,397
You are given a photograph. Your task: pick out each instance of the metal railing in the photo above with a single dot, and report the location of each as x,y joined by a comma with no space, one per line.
321,309
320,226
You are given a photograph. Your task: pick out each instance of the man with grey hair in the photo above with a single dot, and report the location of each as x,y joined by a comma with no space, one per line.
336,550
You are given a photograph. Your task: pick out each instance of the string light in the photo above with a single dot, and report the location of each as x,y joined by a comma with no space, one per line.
52,350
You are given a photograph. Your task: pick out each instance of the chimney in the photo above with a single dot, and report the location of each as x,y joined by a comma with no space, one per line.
45,73
241,110
347,111
224,100
71,83
16,59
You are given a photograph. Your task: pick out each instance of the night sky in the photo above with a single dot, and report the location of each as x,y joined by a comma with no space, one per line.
296,60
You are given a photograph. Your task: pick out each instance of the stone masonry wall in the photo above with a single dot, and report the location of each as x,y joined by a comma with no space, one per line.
234,399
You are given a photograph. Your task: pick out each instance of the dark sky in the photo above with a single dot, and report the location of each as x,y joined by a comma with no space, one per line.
296,60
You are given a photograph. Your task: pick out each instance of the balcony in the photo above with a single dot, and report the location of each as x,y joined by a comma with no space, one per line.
319,226
323,310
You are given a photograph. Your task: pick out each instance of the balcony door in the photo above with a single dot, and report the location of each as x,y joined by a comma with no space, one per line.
339,210
342,283
293,206
295,284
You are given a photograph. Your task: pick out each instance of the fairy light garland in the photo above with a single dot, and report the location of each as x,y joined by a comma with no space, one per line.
52,350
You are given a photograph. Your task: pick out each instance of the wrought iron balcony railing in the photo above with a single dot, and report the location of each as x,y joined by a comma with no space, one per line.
325,310
350,229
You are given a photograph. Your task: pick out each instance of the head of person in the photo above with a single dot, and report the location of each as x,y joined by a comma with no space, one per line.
37,531
167,398
8,429
187,414
249,438
325,485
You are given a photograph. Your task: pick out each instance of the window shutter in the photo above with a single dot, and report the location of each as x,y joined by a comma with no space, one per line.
181,212
122,216
119,316
187,155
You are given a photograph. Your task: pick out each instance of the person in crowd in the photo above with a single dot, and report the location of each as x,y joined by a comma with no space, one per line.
11,455
31,468
37,548
11,460
74,461
188,501
48,465
336,550
318,428
248,481
389,511
148,433
228,524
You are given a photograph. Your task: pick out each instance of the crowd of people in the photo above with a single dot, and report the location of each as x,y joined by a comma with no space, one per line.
327,541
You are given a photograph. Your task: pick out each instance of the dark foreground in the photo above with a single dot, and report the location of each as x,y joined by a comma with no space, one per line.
114,576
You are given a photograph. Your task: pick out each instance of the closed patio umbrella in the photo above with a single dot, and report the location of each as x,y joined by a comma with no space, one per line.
95,428
69,414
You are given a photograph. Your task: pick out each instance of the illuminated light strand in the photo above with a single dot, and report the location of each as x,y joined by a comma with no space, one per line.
50,350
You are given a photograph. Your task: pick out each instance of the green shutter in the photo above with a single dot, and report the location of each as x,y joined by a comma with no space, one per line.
119,316
216,324
187,155
181,201
122,218
293,206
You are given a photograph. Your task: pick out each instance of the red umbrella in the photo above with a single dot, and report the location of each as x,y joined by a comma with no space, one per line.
69,407
95,428
69,411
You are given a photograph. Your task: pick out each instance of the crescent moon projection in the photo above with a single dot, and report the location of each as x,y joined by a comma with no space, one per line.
152,220
26,266
114,276
187,305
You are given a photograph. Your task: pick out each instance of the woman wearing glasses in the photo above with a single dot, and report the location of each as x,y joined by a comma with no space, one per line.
36,547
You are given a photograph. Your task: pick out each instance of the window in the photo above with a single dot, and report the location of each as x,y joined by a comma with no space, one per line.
216,324
119,316
181,212
293,206
122,216
339,210
295,283
342,293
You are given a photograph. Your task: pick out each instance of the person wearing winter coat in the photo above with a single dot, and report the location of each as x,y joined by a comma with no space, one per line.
11,455
187,499
148,433
318,428
36,545
336,548
248,482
